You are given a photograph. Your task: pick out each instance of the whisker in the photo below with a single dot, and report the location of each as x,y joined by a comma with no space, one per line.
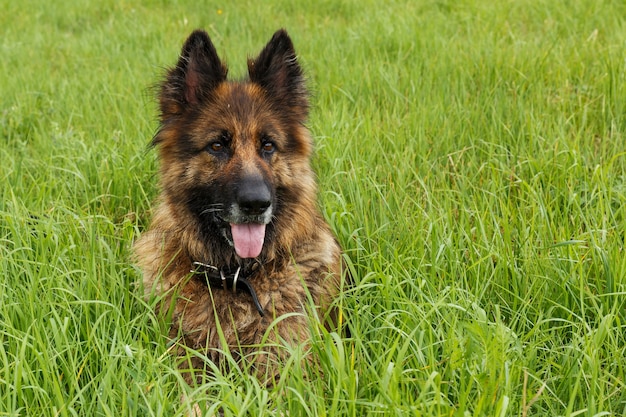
213,208
208,211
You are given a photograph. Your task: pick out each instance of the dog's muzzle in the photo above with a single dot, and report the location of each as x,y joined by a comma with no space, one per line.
250,214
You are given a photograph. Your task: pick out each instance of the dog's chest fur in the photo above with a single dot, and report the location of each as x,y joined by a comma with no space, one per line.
203,317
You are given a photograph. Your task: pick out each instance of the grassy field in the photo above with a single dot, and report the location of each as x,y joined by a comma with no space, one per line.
471,160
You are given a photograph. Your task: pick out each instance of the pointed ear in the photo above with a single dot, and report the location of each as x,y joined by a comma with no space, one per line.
198,71
276,69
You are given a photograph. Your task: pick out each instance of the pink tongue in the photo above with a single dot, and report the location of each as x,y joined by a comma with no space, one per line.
248,239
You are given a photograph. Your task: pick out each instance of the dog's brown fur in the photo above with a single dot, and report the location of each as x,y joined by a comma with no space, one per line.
215,135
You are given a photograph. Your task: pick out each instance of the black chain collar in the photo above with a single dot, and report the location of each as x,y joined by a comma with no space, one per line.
228,280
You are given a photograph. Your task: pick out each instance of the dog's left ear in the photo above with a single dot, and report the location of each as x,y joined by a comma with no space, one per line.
276,69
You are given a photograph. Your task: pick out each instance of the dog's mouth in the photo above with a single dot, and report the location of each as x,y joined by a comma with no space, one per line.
248,239
245,233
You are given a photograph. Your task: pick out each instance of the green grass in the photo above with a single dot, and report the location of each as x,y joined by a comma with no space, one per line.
471,158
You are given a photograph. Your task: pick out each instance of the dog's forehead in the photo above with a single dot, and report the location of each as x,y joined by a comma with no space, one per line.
241,100
242,107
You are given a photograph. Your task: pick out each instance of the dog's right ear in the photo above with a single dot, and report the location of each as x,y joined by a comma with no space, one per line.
198,71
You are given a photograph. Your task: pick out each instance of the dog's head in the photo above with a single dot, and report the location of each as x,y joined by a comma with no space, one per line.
235,154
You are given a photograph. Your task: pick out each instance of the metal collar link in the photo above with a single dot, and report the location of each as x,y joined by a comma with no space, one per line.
218,278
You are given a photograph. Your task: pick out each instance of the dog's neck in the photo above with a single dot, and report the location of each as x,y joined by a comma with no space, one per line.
229,279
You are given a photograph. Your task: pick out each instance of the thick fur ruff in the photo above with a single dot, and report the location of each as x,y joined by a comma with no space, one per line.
238,191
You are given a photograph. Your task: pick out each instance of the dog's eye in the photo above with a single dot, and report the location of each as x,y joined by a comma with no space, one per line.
219,144
268,147
216,147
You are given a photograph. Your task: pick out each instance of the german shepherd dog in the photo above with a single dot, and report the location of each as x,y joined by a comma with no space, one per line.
237,250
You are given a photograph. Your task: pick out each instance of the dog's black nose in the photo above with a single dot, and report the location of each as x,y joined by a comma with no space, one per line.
254,196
